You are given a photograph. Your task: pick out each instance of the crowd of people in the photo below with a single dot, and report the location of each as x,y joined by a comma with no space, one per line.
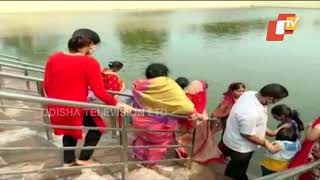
76,75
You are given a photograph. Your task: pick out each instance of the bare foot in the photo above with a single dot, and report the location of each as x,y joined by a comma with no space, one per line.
69,164
86,163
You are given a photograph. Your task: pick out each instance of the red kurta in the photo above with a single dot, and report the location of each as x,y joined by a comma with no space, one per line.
68,77
112,82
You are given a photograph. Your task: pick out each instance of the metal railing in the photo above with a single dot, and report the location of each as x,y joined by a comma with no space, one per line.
291,173
39,81
22,67
123,131
9,56
25,67
20,63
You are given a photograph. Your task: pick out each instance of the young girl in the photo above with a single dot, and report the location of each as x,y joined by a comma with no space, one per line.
287,118
281,151
111,82
234,91
111,78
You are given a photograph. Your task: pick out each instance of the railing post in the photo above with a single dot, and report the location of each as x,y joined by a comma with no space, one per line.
26,73
114,124
45,115
124,143
190,153
1,83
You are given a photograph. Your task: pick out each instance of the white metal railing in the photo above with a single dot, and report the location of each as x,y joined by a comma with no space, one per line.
20,63
124,132
123,138
291,173
9,56
22,67
40,81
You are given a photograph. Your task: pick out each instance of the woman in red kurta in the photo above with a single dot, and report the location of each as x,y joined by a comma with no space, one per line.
68,76
235,90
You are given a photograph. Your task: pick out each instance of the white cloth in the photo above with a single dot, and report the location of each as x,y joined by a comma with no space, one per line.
247,116
91,96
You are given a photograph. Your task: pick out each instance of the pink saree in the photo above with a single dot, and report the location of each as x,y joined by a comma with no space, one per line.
152,94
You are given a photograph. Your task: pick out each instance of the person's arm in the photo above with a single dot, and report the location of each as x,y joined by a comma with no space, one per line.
313,133
205,115
308,129
221,111
254,139
123,86
247,125
94,77
273,147
271,133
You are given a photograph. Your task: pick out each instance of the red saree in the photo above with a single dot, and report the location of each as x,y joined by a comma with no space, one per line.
205,149
305,156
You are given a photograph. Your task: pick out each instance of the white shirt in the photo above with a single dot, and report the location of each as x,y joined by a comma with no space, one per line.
247,116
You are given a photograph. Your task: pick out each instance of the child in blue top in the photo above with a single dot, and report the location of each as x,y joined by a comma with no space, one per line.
283,149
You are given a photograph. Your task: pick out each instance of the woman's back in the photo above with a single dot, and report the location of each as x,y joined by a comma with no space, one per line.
67,76
161,93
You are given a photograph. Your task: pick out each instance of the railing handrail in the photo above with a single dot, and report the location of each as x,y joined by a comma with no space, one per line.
43,125
21,63
85,167
124,144
45,100
36,79
22,67
9,56
22,77
291,172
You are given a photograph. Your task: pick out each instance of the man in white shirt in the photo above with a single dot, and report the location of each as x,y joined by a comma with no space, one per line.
246,127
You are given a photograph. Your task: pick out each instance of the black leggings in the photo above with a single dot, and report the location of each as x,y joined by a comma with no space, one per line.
92,138
237,167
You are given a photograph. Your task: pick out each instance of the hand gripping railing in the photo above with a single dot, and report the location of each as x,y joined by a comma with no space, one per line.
124,130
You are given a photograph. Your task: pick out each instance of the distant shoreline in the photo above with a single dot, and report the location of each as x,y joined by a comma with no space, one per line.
8,7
